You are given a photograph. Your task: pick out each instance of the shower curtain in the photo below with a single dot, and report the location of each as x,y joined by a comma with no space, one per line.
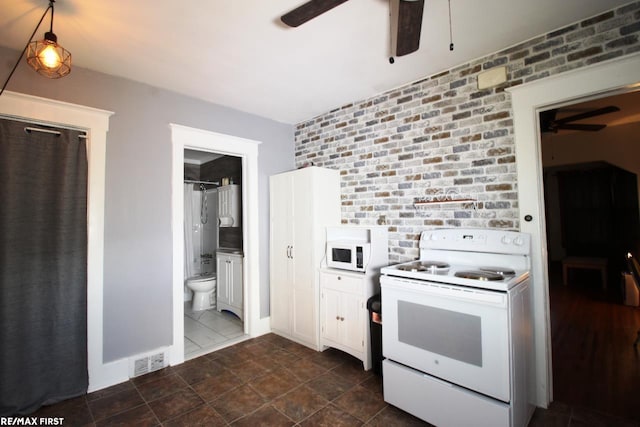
188,231
43,267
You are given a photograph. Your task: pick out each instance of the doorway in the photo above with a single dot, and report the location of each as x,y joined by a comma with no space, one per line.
213,309
527,101
186,138
591,212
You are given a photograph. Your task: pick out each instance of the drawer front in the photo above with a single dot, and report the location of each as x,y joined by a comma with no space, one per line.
342,282
438,402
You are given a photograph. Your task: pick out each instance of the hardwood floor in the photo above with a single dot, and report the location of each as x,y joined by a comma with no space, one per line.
595,364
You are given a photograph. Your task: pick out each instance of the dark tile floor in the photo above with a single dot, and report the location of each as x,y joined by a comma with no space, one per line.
266,381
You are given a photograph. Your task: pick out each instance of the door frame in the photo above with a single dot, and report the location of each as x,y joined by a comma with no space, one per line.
183,137
619,75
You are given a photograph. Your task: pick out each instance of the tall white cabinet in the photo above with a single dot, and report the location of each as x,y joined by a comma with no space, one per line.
302,203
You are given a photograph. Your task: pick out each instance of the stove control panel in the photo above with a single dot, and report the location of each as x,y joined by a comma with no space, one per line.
476,239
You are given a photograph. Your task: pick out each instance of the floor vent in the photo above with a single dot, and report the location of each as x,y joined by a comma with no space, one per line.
146,364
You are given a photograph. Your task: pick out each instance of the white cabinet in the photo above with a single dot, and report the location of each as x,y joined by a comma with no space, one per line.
229,205
302,203
344,321
229,283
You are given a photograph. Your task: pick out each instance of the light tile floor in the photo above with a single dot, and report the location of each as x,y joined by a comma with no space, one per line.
207,330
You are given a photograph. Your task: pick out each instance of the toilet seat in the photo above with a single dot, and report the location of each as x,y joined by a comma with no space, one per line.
201,278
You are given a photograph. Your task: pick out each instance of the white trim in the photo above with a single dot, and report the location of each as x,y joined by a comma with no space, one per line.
182,138
527,101
96,122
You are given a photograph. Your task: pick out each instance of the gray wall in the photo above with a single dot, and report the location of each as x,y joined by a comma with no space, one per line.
138,241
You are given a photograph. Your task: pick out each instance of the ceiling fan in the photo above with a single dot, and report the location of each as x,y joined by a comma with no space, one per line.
549,123
407,22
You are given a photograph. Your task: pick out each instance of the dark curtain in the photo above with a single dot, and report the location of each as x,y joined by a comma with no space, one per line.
43,267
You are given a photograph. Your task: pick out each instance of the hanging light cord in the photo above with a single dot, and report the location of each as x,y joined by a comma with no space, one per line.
450,30
27,45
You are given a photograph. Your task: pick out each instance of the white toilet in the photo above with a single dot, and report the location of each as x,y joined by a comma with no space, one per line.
204,291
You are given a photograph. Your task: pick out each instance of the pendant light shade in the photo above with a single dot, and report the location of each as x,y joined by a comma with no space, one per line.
47,57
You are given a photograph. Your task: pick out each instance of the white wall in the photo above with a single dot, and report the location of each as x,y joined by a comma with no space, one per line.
138,239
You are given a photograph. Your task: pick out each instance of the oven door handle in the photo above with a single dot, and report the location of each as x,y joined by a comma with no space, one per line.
420,287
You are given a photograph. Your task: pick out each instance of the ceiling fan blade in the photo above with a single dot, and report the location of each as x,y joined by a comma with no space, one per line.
588,114
577,126
308,11
409,26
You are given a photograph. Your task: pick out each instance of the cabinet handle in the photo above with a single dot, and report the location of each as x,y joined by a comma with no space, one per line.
337,317
288,254
291,252
342,319
339,278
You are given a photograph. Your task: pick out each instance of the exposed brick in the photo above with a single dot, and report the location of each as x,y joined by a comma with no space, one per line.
629,29
440,133
463,115
471,138
472,70
537,58
584,53
562,31
602,17
496,116
483,162
430,99
431,160
499,187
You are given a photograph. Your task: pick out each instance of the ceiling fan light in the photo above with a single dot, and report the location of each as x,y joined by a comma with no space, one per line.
48,58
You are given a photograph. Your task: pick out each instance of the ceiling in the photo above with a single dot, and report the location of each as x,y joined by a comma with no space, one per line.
238,54
628,104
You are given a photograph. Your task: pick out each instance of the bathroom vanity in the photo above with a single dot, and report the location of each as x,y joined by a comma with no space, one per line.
229,272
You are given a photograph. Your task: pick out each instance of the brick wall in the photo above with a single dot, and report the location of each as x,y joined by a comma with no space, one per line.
441,138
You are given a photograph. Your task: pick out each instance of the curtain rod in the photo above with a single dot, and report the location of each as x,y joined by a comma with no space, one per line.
29,129
32,122
190,181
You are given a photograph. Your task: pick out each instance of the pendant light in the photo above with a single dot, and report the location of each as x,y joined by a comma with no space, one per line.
46,56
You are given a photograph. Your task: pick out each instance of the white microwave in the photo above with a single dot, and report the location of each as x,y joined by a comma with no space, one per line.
348,255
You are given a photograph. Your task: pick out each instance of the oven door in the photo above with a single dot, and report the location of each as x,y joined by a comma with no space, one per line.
454,333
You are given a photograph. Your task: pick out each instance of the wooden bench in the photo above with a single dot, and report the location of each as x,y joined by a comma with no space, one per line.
585,263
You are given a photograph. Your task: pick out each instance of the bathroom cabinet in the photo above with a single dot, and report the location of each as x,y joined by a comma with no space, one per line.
229,205
229,277
302,204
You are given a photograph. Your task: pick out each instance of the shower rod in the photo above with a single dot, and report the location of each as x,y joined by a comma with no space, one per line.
190,181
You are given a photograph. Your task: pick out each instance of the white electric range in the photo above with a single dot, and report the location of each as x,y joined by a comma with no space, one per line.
457,329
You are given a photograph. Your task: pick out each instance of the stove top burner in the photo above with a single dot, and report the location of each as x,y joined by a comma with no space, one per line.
428,266
435,264
503,271
414,266
484,276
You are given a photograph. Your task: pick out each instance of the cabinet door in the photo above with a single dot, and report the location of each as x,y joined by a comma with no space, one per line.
235,276
331,314
353,326
305,292
281,215
222,278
